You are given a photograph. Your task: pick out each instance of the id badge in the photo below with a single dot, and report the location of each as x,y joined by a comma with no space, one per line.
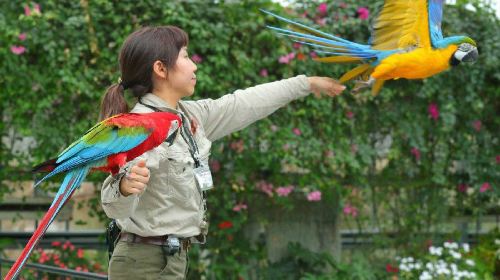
203,177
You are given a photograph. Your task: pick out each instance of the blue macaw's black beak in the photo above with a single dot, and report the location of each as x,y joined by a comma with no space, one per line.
471,56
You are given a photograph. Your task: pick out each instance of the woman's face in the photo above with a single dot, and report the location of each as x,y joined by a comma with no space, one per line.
182,77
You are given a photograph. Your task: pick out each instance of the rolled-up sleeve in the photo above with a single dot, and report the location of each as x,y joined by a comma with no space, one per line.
233,112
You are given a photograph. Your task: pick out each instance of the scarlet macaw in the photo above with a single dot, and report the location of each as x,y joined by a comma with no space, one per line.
406,42
107,146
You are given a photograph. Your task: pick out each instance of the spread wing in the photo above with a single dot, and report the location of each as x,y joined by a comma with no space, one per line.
404,24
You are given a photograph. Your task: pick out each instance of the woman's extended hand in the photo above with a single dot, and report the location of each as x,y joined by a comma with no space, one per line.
136,180
325,85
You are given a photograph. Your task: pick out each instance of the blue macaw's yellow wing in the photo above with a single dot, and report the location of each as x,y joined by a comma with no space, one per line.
404,24
99,142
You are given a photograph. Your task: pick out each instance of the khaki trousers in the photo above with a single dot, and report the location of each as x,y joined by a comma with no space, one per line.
144,261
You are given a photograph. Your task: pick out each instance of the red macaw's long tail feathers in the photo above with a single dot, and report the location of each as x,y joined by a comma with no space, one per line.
47,166
71,182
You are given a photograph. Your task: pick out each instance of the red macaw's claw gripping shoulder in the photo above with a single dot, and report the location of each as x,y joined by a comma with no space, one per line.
107,146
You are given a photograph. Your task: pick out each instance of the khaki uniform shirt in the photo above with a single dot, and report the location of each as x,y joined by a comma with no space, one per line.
171,202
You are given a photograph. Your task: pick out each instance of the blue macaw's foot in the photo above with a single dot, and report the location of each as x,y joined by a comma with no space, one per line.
362,85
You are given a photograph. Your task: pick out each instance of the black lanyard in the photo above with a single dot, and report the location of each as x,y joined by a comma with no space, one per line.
185,133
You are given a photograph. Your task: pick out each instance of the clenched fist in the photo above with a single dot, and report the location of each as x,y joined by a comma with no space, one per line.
136,180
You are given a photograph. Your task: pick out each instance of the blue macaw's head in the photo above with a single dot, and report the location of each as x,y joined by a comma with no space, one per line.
466,51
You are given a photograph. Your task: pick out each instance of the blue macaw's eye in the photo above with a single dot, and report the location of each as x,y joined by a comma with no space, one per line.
465,47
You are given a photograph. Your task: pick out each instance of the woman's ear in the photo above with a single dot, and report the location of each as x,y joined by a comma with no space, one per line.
160,70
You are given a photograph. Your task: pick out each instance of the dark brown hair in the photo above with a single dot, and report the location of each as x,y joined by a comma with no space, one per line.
137,56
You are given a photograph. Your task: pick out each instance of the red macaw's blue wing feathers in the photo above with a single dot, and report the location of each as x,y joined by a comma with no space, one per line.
106,146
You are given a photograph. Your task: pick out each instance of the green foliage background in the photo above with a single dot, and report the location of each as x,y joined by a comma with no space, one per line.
51,92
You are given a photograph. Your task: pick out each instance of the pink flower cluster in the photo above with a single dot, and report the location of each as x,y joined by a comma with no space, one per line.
416,153
363,13
485,187
197,58
350,210
433,111
265,187
314,196
285,59
284,191
240,206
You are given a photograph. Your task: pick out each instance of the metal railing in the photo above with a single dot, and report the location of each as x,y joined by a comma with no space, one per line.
56,270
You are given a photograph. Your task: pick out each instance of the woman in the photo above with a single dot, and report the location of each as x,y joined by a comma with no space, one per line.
158,198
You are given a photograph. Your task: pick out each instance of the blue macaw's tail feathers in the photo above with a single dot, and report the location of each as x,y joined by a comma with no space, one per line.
323,42
71,182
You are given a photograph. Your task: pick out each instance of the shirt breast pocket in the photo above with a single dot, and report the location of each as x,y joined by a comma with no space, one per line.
180,176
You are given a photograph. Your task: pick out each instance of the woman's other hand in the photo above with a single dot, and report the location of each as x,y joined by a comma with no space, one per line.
325,85
135,181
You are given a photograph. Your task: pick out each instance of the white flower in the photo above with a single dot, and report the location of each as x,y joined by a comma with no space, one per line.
466,247
456,255
438,251
497,241
425,276
470,262
404,267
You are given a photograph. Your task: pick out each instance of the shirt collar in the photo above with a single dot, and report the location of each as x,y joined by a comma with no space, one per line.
155,101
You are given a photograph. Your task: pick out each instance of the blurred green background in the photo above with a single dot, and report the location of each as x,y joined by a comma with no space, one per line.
415,166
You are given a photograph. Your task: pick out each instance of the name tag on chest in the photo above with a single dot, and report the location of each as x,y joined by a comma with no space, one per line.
203,177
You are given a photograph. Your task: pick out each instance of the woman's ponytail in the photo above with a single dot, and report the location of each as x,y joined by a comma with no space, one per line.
113,102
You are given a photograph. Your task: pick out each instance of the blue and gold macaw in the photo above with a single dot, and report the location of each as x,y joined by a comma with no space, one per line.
406,42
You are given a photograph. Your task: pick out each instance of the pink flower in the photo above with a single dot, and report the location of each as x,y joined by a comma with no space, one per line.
314,196
22,36
239,207
56,244
37,8
79,253
349,114
263,72
321,21
363,13
78,268
484,187
296,131
17,50
285,59
274,128
350,210
322,8
497,158
462,188
304,14
416,153
284,191
477,125
215,166
433,111
237,146
196,58
297,45
286,147
313,54
265,187
27,11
